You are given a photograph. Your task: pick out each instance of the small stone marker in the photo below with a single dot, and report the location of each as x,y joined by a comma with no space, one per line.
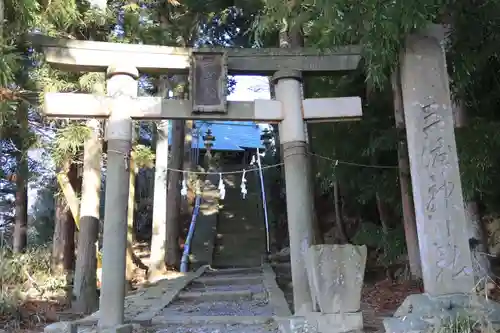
208,81
435,175
336,274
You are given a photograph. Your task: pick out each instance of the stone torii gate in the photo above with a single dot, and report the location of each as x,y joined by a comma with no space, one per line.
208,70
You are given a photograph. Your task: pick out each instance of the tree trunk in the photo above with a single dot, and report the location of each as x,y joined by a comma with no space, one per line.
409,220
157,259
130,255
187,205
63,252
384,221
477,239
2,17
339,220
62,215
70,228
85,282
172,253
477,242
21,219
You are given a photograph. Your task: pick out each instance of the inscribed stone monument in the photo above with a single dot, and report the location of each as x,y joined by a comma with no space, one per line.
437,190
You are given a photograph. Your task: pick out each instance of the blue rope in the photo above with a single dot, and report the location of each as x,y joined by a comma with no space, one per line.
185,254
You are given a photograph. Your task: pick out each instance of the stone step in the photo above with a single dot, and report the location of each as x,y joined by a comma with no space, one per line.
227,252
224,327
230,222
195,307
235,262
200,287
233,271
204,320
246,250
283,268
237,227
215,295
241,240
229,280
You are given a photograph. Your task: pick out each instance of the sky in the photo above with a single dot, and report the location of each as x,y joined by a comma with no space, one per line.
248,88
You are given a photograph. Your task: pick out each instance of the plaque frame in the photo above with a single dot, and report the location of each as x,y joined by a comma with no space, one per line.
194,84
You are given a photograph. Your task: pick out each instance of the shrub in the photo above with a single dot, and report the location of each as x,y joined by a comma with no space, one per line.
26,276
465,323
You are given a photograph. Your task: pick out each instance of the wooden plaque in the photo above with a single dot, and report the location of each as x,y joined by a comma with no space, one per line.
208,74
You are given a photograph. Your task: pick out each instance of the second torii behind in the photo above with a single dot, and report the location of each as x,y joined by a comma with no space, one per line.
208,72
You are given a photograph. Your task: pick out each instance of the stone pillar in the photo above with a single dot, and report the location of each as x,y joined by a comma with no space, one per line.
122,85
299,206
437,190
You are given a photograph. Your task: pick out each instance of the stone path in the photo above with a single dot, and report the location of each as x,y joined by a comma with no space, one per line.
228,300
242,300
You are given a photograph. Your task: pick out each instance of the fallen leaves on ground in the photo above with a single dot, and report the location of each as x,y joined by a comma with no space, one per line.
386,295
32,315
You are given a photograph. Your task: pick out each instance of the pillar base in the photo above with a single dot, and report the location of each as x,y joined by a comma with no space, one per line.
317,322
126,328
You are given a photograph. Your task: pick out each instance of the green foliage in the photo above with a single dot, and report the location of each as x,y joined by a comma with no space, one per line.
9,62
144,156
69,142
92,82
391,243
41,224
379,26
25,274
479,146
465,323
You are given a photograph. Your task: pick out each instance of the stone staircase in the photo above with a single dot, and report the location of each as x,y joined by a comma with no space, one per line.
230,300
238,300
241,233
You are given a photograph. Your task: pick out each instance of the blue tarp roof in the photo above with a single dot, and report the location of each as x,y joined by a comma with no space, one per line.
229,135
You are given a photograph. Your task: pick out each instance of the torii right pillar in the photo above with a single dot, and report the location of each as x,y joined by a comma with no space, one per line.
299,206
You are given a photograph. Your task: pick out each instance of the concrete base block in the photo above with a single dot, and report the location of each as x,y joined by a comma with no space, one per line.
126,328
72,327
295,324
62,327
316,322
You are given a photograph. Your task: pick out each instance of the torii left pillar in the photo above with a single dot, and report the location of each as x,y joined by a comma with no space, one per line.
300,212
122,86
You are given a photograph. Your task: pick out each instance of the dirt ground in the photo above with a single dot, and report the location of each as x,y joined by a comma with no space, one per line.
379,299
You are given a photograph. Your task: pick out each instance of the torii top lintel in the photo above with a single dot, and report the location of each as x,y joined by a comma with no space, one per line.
74,55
